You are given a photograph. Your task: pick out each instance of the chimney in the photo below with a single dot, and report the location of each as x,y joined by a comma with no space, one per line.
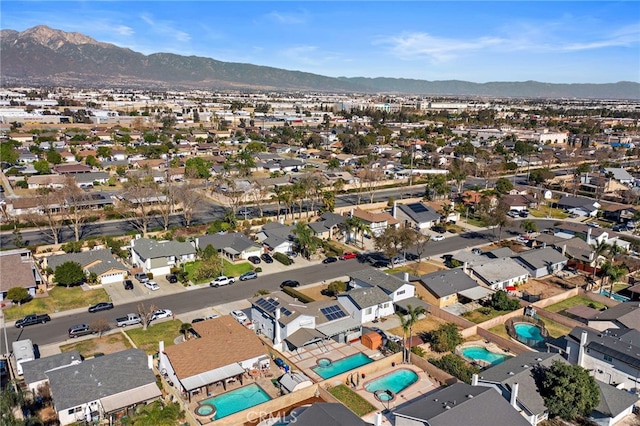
377,420
589,235
276,337
474,380
351,214
514,396
465,267
583,343
405,276
564,249
393,210
160,352
150,362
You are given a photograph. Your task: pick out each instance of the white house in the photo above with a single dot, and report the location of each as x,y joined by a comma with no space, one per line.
158,257
416,215
367,304
498,274
276,237
396,288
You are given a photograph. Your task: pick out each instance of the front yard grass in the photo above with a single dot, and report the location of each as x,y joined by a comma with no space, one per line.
574,301
230,270
544,212
107,344
352,400
148,339
59,299
476,316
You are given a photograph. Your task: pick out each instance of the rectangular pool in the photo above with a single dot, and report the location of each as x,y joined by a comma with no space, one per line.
232,402
327,369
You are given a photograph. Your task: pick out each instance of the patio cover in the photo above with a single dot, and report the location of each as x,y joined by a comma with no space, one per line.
476,293
304,336
334,328
212,376
414,302
125,399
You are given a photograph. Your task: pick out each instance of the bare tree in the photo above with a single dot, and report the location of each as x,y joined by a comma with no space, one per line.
420,244
146,314
166,206
48,220
101,325
190,199
259,193
141,193
371,178
74,210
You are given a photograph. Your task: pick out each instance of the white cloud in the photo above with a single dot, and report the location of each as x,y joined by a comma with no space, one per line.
165,28
288,18
123,30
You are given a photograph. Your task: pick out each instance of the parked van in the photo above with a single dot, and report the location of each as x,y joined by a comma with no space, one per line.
23,351
80,330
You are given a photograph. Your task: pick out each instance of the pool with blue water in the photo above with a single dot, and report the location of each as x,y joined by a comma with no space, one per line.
396,382
529,331
232,402
327,368
483,354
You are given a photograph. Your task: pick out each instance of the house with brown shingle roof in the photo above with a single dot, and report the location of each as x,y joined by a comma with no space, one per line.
18,270
377,221
224,349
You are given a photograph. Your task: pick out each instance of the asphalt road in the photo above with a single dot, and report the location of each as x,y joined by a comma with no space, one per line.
187,301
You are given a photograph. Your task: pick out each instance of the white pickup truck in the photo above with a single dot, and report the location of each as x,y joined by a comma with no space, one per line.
130,319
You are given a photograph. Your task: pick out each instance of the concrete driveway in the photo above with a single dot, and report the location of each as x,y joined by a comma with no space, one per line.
119,295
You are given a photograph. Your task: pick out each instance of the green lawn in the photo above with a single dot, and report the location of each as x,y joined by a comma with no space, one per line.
478,317
555,329
352,400
619,286
476,222
148,339
544,212
59,299
574,301
230,269
500,330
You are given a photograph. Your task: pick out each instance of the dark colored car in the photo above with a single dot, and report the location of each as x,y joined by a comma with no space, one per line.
254,259
330,259
102,306
128,284
290,283
32,319
267,258
81,330
172,278
380,264
439,229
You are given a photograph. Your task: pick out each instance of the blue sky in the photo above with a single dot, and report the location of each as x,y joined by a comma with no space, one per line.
550,41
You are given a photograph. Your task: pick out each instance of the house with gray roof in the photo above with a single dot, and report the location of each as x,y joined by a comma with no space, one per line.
158,257
100,388
447,287
619,174
542,262
623,315
367,304
327,225
614,404
101,262
416,215
276,237
18,270
327,414
498,274
35,371
234,245
459,404
515,380
397,288
581,206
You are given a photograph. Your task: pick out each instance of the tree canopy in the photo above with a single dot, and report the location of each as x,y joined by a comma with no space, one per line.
500,302
568,391
69,274
18,294
445,338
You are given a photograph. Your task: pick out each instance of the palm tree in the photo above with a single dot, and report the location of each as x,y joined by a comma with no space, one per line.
615,272
414,314
599,250
405,321
350,225
304,239
362,228
528,226
10,400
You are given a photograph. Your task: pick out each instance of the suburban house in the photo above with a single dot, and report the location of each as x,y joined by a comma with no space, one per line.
276,237
329,413
514,379
614,404
619,212
396,288
101,262
35,371
105,387
501,273
158,257
518,202
18,270
612,356
542,262
459,404
574,248
233,245
47,181
416,215
590,234
224,350
293,325
327,225
580,206
447,287
367,304
619,174
624,315
376,221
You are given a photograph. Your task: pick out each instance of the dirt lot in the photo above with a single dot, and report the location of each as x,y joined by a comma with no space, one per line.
546,287
426,325
106,345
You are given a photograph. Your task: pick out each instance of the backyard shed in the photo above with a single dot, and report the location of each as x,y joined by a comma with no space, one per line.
372,340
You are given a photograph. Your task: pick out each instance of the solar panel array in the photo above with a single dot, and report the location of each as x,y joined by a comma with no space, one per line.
333,312
417,207
270,305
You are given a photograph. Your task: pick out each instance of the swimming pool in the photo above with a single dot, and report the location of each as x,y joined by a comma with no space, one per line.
232,402
483,354
529,334
396,382
327,369
614,296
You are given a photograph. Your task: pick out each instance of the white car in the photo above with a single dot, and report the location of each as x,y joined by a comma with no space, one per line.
152,285
438,237
161,313
222,280
240,316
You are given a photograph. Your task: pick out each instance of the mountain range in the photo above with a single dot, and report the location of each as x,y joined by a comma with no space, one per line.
43,56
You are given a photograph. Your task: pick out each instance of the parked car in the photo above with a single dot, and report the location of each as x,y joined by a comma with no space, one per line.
437,238
254,259
522,239
380,264
240,316
222,280
102,306
292,254
251,275
348,255
152,285
129,319
439,229
524,213
142,277
244,212
32,319
128,284
161,313
267,258
290,283
330,259
80,330
398,260
513,213
172,278
620,227
593,224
